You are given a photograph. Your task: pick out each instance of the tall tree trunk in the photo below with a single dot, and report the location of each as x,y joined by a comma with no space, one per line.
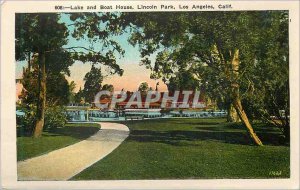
236,98
232,115
41,102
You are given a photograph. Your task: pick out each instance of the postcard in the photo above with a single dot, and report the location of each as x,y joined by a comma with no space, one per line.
150,95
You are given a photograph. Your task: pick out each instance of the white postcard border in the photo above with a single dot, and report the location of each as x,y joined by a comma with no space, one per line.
8,131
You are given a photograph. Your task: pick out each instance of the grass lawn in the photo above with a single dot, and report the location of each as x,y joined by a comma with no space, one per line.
28,147
193,149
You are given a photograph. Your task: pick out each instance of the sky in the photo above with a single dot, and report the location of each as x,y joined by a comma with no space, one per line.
133,75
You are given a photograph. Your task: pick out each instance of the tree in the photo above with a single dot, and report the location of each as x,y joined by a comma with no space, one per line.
268,97
23,47
79,96
221,47
43,35
92,85
57,92
183,80
108,87
72,94
46,37
58,89
143,88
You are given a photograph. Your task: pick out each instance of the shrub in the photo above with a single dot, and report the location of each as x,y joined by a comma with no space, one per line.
26,122
55,117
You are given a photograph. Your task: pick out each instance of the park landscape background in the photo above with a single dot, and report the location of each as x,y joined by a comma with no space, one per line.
239,60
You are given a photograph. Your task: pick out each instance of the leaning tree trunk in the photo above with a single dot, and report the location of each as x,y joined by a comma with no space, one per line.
41,101
237,100
238,106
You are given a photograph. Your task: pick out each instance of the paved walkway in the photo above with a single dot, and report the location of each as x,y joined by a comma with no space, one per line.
64,163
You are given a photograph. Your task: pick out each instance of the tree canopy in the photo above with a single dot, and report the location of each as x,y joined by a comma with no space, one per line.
92,85
240,58
220,49
44,36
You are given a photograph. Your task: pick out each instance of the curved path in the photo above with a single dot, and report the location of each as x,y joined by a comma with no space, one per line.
64,163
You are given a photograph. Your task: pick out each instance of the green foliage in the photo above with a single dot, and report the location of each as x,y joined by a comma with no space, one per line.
202,44
58,88
25,124
37,32
92,85
108,87
143,87
183,80
30,87
58,91
79,97
55,117
72,94
97,28
267,84
44,38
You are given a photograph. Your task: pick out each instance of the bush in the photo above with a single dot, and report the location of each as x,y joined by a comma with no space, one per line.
55,117
26,122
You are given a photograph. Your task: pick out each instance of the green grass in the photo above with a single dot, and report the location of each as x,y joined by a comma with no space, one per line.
193,149
28,147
